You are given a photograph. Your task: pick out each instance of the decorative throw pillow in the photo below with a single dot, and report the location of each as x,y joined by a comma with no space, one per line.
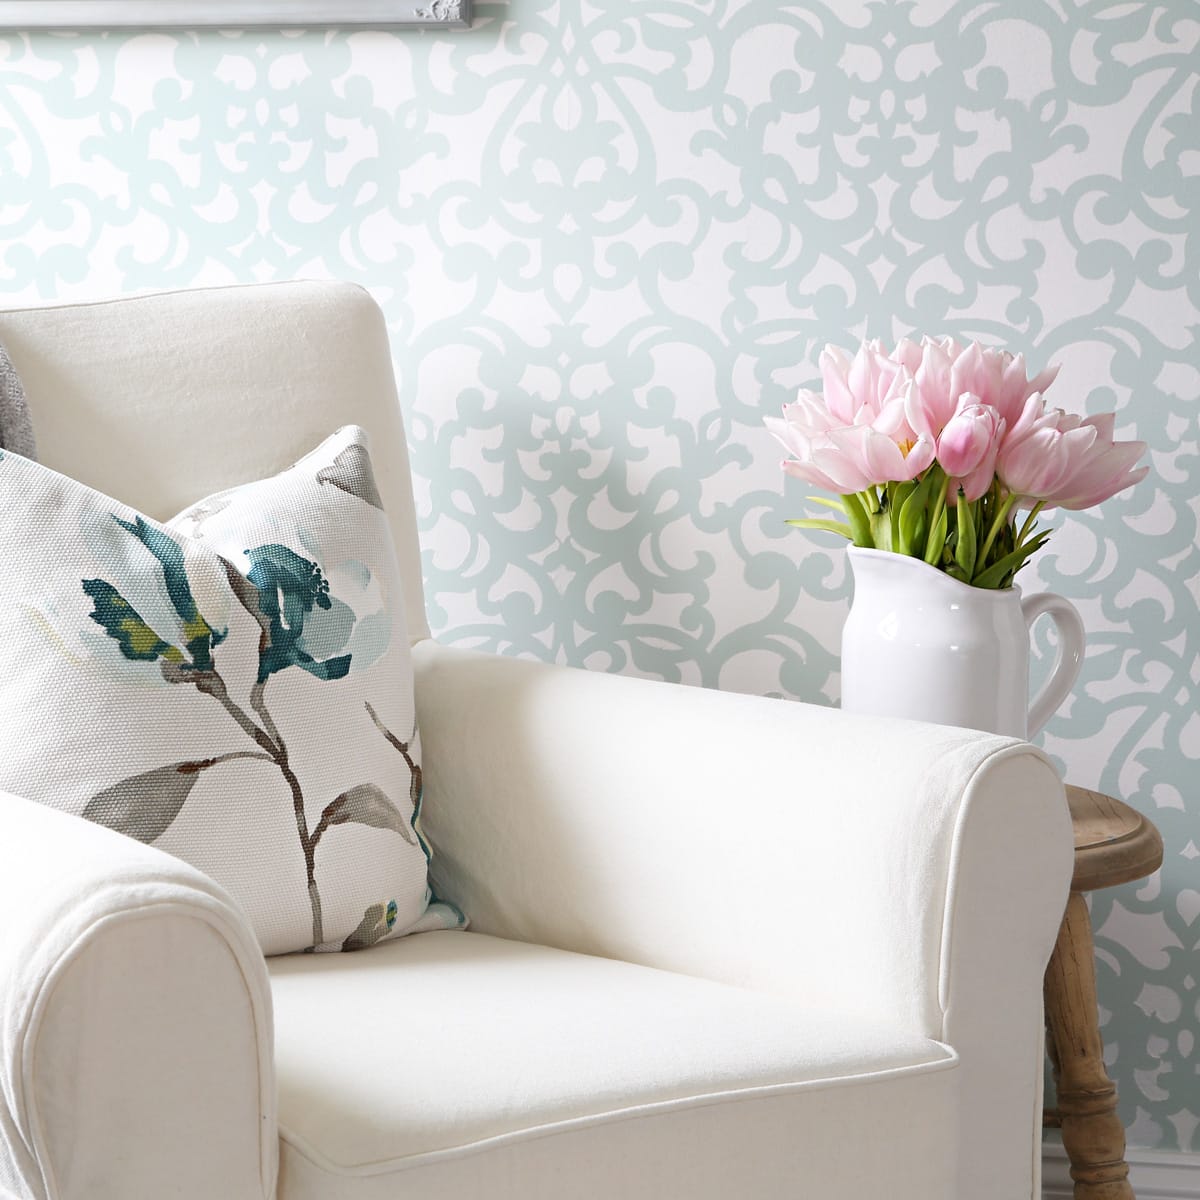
234,686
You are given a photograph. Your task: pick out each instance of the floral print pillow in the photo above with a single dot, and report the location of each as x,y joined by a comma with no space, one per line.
233,686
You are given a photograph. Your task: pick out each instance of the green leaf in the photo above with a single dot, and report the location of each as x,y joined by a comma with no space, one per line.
995,575
860,523
914,515
898,494
881,530
367,804
964,546
994,516
144,806
912,525
837,527
826,502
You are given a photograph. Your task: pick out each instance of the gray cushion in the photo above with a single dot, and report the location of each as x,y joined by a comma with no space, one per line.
16,430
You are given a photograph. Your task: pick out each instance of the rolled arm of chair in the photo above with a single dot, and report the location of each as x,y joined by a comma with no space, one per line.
760,842
135,1029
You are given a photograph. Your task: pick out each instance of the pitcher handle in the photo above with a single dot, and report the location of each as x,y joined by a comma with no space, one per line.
1067,661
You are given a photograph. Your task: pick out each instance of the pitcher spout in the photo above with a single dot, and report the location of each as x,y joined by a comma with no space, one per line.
887,569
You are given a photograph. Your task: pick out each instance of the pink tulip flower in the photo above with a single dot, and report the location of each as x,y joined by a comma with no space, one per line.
1105,468
1042,450
804,432
998,379
859,389
883,459
847,458
948,371
808,415
931,402
908,354
818,460
968,446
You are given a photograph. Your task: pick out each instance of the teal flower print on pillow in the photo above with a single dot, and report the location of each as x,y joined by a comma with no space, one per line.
289,587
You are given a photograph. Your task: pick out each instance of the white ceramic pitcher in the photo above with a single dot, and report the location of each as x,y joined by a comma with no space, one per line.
920,644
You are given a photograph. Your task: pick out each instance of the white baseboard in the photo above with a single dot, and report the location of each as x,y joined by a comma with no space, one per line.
1154,1174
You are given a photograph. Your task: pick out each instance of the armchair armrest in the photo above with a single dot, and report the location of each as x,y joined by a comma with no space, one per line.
135,1027
886,869
759,842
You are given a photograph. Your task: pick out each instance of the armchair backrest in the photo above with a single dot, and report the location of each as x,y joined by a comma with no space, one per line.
158,400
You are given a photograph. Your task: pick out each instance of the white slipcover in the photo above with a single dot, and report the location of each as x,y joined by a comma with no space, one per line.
135,1023
808,948
547,1073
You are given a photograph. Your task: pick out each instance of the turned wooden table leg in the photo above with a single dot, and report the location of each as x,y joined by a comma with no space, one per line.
1087,1099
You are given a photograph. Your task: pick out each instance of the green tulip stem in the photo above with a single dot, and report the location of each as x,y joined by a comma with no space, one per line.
997,525
1029,520
937,528
966,551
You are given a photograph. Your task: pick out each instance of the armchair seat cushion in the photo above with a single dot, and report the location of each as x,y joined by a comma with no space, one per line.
463,1064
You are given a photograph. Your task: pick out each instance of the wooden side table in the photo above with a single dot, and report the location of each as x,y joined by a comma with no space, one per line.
1113,844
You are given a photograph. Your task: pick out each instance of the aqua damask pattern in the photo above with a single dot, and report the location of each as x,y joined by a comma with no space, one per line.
610,236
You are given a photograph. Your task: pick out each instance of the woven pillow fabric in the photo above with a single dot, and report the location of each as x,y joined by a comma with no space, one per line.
234,687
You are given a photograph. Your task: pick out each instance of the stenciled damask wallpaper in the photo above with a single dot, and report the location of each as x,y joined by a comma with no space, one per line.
609,235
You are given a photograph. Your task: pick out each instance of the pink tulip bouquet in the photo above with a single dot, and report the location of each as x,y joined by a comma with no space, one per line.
934,450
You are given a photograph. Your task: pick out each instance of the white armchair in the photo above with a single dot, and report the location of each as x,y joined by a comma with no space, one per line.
720,947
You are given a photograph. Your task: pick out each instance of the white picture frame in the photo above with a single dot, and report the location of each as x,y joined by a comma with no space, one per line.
153,14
